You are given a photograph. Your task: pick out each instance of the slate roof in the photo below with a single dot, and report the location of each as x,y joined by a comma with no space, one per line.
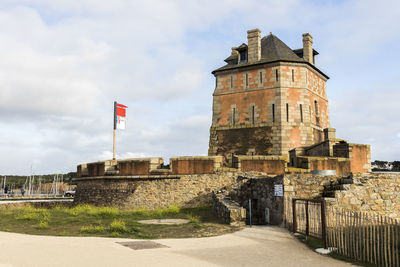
272,50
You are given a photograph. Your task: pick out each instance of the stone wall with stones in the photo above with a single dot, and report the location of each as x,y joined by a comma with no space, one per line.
228,210
307,185
372,192
152,192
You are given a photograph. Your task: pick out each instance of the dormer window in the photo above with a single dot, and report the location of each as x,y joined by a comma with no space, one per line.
243,56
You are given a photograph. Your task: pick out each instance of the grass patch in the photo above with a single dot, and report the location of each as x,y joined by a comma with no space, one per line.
87,220
30,213
93,229
43,225
118,226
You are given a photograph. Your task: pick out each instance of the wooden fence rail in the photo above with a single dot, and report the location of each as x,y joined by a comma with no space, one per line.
365,237
361,236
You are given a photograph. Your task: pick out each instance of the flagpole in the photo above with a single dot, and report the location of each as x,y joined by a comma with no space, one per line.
115,128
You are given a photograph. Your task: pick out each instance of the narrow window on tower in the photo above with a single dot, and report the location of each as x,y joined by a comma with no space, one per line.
260,77
273,112
231,82
247,80
233,116
276,75
316,108
252,115
287,112
301,112
292,75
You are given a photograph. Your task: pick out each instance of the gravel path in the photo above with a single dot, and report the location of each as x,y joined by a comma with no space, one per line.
256,246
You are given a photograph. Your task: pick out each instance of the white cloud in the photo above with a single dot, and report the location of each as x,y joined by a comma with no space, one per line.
63,63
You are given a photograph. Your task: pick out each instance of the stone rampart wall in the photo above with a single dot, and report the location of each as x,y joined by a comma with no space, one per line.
149,192
151,166
371,192
307,185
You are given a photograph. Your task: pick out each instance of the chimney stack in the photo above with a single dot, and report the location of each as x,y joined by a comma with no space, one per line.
307,48
253,45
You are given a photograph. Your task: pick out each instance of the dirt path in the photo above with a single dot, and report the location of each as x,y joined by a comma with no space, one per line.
256,246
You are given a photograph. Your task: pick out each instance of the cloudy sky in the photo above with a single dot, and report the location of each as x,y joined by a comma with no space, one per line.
63,63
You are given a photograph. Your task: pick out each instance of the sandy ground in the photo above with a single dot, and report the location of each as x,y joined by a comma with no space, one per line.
256,246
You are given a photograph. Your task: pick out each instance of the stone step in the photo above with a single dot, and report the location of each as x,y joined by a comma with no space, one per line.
346,181
329,193
340,187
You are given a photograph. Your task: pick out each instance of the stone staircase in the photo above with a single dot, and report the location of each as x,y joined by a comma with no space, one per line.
340,185
226,207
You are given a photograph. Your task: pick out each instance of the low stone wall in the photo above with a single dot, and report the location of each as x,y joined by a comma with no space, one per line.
372,192
151,166
307,185
195,165
268,164
229,211
152,192
141,166
340,165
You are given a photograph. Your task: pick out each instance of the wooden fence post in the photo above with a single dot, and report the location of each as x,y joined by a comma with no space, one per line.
323,224
294,216
307,220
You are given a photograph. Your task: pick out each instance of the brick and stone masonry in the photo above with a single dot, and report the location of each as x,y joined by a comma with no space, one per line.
270,126
271,103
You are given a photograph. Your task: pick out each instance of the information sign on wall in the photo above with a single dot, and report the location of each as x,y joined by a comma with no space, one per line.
278,192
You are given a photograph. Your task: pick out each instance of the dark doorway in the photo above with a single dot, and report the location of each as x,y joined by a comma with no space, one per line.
255,213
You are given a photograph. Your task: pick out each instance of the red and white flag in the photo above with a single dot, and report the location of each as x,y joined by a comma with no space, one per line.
120,116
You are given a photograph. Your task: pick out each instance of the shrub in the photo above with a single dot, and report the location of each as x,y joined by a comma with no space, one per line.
93,229
118,226
173,209
194,219
43,225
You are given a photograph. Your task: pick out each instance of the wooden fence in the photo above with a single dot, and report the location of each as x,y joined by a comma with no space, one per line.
309,218
364,237
361,236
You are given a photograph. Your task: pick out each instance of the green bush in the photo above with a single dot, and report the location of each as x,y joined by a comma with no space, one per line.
118,226
194,219
173,209
43,225
92,229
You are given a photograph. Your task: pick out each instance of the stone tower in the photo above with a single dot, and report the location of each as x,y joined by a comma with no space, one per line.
268,99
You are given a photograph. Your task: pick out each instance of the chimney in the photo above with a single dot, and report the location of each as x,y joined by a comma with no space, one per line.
234,51
307,48
253,45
